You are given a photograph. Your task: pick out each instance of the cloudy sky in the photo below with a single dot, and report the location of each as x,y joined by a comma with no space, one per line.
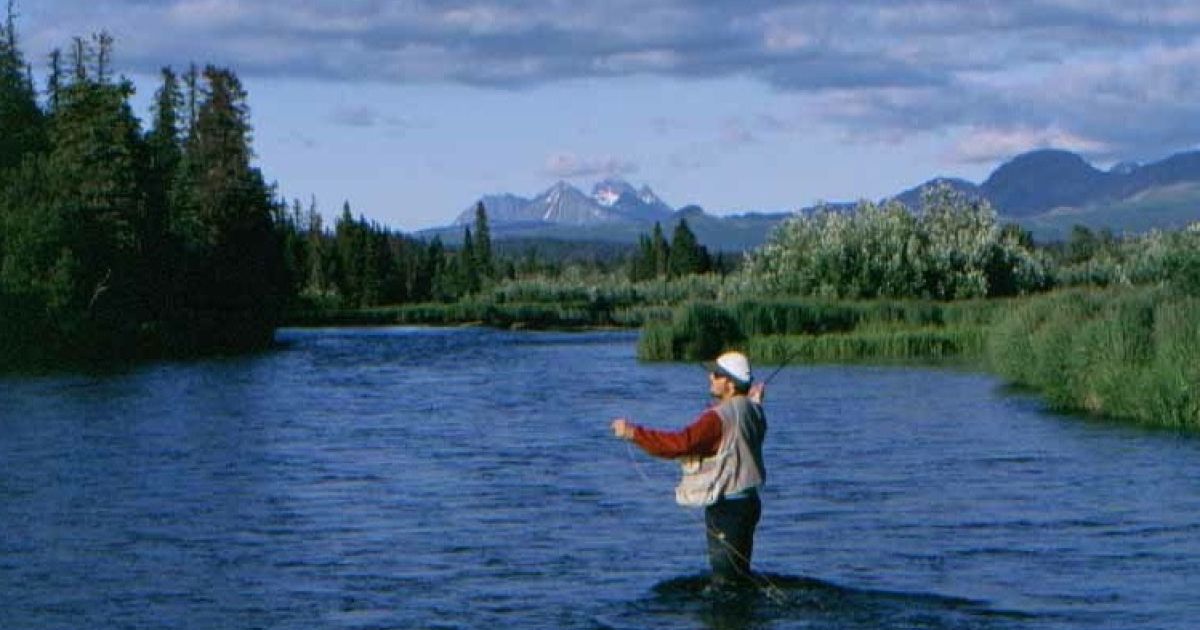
411,109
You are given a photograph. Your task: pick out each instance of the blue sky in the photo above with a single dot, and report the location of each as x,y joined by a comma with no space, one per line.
412,109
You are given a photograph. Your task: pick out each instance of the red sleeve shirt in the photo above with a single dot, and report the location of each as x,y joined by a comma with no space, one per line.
700,438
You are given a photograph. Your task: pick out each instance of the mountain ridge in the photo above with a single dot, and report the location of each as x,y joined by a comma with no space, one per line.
1038,189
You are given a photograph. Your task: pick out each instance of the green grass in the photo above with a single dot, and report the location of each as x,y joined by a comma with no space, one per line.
1130,354
824,330
926,344
536,315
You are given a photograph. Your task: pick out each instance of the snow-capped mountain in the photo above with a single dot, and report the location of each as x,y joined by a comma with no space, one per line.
641,205
611,200
564,203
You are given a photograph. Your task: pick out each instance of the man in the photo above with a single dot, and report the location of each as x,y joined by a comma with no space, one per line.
721,455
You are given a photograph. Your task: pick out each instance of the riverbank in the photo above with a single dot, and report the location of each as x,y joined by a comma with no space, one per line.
1122,353
823,331
574,315
1127,354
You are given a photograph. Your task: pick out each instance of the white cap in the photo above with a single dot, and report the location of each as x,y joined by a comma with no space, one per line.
735,365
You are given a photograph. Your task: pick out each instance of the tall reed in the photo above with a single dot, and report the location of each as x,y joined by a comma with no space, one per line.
1129,354
823,330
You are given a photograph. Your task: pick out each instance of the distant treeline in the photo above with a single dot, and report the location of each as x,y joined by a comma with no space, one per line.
360,264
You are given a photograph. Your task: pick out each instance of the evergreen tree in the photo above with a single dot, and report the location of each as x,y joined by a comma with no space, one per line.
22,128
54,82
164,138
467,266
686,255
661,251
164,148
223,211
641,264
95,168
442,275
427,281
191,83
317,282
482,250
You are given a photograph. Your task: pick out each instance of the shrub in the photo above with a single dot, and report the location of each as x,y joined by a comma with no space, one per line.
952,249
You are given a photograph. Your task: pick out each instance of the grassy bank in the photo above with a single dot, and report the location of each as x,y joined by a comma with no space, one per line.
579,300
824,330
570,315
1130,354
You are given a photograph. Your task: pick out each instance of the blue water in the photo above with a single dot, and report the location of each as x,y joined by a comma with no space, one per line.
465,478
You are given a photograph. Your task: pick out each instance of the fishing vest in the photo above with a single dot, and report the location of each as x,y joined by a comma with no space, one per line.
738,464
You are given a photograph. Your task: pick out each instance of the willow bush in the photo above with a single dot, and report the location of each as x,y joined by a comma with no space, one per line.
1151,258
953,248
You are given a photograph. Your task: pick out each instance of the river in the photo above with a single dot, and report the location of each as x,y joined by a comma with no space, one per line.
466,478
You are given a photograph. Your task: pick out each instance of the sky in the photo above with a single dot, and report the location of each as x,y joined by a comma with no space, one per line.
410,110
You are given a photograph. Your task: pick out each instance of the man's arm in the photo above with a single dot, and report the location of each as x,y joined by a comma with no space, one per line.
699,439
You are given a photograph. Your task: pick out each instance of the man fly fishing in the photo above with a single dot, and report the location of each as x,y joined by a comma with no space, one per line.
721,457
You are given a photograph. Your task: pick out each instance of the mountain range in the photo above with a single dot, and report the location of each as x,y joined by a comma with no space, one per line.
1046,191
612,200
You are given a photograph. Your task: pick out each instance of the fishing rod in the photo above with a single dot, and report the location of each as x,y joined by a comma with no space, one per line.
786,360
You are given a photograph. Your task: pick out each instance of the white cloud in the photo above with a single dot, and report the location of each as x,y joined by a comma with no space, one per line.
1121,77
206,14
570,166
991,145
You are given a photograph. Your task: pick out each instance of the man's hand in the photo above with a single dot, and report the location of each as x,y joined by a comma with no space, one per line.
757,393
622,428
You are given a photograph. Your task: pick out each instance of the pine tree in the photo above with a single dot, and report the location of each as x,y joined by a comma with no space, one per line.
661,251
164,138
482,250
224,212
427,281
96,175
348,246
164,147
54,81
686,255
317,282
22,125
468,267
191,83
641,264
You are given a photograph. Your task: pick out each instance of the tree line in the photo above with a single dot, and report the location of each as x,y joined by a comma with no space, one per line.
117,241
361,263
683,255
